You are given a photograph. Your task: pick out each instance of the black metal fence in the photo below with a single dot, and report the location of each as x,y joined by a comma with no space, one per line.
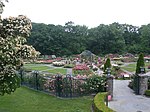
59,85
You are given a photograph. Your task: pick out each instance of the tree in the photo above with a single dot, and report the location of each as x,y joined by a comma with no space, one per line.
107,64
13,34
145,38
140,63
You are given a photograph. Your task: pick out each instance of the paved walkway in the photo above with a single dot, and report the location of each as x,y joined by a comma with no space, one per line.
125,100
69,71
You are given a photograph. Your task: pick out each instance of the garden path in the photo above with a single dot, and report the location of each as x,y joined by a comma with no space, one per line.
69,71
124,99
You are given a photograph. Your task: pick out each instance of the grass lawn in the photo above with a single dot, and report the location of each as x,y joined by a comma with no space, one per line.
132,67
58,70
36,67
27,100
42,67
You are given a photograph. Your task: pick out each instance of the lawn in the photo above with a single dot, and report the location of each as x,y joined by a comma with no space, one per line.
42,67
58,70
27,100
39,67
132,67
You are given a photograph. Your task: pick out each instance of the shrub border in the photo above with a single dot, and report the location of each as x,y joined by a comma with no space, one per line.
99,103
147,93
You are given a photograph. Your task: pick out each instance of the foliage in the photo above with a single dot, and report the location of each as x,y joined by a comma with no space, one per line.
81,67
14,31
28,100
99,103
147,92
103,39
107,64
140,63
96,84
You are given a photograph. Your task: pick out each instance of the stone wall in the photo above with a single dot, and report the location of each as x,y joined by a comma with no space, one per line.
110,85
143,84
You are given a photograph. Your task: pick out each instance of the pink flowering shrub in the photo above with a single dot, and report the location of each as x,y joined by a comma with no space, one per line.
81,67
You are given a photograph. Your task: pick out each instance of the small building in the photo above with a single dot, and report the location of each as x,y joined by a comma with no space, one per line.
87,55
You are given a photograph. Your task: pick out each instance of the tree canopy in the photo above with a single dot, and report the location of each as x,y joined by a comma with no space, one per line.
104,39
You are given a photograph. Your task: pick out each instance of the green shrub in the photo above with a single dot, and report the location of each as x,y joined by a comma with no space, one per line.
99,103
96,84
147,92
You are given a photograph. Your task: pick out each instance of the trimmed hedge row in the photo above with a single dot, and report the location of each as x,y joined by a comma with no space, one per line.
99,104
147,92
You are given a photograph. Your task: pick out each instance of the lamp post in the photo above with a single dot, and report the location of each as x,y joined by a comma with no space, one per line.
36,78
142,70
108,71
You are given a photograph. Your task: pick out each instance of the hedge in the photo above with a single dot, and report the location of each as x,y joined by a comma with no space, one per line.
147,92
99,103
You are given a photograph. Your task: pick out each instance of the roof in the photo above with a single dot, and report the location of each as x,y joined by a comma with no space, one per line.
87,53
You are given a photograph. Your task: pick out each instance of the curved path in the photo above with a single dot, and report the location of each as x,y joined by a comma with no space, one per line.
124,100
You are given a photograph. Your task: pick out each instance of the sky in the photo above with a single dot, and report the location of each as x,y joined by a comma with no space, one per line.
82,12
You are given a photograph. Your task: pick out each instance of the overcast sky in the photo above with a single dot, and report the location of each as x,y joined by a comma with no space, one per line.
82,12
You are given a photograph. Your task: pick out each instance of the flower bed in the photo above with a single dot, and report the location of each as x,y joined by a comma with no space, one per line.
45,61
58,64
82,70
81,67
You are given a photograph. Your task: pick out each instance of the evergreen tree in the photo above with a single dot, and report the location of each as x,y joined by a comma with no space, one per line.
107,64
140,63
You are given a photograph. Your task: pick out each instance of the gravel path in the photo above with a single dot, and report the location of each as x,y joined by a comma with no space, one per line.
125,100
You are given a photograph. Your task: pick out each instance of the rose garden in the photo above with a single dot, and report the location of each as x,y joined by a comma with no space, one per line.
80,76
73,79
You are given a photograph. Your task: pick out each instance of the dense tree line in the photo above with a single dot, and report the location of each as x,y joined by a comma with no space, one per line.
103,39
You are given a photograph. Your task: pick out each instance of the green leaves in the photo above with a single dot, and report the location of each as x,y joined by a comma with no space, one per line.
13,50
96,84
140,63
107,64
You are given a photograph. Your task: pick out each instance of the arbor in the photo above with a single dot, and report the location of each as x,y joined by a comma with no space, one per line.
13,34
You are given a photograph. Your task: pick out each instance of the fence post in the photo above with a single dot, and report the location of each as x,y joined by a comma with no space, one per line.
36,78
21,75
68,76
